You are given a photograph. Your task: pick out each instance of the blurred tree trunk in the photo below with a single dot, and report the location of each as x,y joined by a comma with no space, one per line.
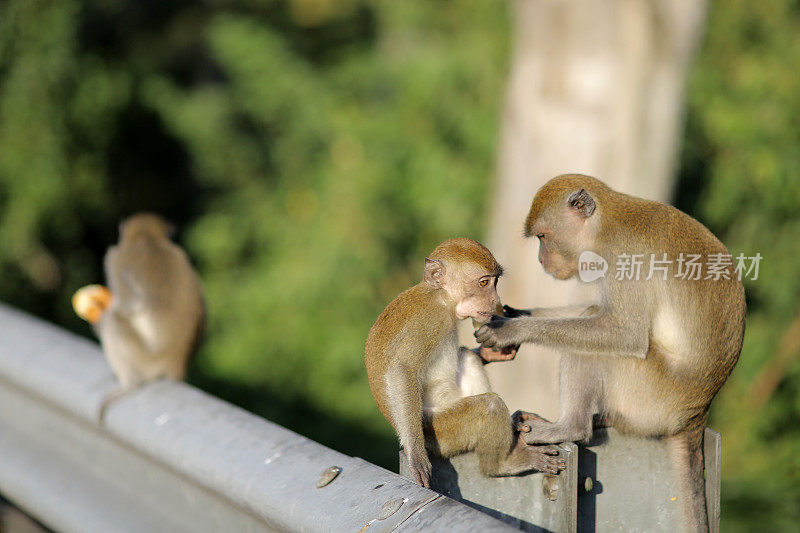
596,87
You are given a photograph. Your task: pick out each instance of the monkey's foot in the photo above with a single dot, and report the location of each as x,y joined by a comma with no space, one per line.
420,466
547,460
544,459
543,432
91,301
520,417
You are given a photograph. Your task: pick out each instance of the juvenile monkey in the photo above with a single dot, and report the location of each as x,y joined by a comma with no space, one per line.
435,393
652,353
155,317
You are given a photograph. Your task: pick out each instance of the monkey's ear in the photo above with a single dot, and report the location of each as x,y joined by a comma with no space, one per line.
583,202
434,273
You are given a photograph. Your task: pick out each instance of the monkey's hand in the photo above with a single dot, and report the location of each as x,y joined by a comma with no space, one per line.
420,466
491,355
499,332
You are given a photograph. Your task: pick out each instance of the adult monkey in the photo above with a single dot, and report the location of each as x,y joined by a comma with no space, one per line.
652,353
151,318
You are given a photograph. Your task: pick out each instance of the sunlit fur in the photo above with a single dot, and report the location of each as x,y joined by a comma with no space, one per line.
156,316
650,355
435,394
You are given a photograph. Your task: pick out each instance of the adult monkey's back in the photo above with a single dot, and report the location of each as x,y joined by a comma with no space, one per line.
650,356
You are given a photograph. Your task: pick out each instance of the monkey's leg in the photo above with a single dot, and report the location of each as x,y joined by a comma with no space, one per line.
686,453
482,424
580,393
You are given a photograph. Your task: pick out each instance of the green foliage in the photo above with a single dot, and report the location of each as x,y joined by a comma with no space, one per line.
313,151
741,176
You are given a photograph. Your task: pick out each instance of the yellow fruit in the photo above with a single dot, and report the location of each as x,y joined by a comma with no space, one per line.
91,301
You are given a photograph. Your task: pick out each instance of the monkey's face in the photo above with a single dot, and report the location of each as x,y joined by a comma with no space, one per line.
564,231
552,259
468,272
561,240
474,291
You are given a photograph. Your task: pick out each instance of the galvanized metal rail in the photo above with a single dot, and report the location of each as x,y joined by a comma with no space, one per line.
172,458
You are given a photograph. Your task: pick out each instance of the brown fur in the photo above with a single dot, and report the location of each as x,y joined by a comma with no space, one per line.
156,317
418,374
652,357
466,250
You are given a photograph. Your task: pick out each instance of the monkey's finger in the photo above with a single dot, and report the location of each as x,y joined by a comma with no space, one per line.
523,416
426,481
519,416
482,336
421,478
509,352
489,343
550,450
486,337
523,428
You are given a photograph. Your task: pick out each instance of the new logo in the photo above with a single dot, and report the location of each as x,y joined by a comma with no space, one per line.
591,267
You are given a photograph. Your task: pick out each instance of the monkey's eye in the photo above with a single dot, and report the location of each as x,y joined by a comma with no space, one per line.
484,282
540,236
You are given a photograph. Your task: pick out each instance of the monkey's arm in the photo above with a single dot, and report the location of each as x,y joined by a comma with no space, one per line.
404,394
600,334
561,312
508,353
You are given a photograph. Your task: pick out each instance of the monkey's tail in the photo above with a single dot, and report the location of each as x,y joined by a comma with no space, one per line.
686,453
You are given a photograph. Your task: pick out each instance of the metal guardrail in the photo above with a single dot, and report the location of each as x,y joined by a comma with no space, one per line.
172,458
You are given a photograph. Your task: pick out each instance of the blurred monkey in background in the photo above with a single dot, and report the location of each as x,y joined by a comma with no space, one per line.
151,317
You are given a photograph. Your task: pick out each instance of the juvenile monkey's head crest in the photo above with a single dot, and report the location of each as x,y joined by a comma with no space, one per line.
464,250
